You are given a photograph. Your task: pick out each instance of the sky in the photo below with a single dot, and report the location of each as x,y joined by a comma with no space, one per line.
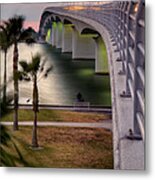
31,11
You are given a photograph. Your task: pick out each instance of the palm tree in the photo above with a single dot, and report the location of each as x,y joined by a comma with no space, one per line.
31,71
5,43
17,34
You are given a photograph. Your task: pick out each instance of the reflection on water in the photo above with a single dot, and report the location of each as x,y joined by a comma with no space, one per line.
67,78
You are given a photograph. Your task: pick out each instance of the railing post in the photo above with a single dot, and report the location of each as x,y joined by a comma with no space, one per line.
121,39
128,57
138,99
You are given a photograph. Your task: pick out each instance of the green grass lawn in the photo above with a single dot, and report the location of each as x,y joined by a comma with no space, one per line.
64,147
58,116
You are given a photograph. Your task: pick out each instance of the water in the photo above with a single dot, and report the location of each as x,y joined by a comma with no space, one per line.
67,78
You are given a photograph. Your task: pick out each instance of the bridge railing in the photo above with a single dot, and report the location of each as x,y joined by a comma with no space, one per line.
125,21
126,25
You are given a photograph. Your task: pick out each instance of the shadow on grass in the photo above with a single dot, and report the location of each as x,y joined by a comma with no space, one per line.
7,159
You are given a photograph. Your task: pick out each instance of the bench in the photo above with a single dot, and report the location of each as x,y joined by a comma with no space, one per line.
81,105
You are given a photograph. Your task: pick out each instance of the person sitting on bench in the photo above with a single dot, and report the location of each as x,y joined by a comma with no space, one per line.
79,97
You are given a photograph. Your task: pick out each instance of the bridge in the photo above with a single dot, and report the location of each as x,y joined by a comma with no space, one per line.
85,29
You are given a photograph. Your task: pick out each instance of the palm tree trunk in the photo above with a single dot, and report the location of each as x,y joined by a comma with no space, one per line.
34,132
16,89
5,72
35,109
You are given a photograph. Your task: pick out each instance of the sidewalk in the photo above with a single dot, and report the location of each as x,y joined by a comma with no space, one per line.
129,155
107,124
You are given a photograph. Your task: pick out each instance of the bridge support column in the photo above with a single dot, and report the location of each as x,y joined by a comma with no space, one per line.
83,46
48,36
67,38
53,34
101,61
50,40
58,42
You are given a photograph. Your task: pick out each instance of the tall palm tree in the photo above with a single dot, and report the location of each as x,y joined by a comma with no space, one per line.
31,71
5,43
17,34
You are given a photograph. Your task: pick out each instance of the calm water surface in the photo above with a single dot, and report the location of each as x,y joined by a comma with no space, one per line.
67,78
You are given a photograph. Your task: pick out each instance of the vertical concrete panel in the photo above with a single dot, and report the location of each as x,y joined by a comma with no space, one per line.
83,46
50,41
48,36
53,33
59,35
67,38
101,59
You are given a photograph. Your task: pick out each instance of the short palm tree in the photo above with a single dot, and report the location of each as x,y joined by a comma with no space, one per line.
5,43
30,72
17,34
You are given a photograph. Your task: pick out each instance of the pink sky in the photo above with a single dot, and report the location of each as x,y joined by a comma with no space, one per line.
33,24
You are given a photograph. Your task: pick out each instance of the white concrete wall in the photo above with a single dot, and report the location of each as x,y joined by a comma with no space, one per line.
83,46
50,40
67,38
59,35
101,61
53,34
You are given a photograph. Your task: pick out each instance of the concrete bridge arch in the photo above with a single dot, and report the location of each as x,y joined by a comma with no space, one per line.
87,41
121,26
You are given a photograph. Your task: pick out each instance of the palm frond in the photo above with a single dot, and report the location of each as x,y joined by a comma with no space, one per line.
42,65
24,65
2,27
27,36
36,62
5,41
48,71
15,25
4,137
18,75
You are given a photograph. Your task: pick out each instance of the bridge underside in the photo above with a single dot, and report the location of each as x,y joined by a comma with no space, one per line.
79,39
119,30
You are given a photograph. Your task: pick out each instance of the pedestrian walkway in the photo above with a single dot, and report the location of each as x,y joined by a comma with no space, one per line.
98,109
107,124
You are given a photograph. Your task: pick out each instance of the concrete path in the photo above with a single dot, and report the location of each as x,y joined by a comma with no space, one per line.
129,155
98,109
107,124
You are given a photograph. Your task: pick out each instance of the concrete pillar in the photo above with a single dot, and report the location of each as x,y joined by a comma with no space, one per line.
101,59
83,46
59,35
67,38
53,34
48,36
50,39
